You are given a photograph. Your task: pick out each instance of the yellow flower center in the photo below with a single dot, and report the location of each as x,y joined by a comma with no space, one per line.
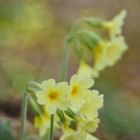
74,90
53,95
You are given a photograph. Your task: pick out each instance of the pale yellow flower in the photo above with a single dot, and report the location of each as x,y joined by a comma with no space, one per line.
42,123
53,95
78,136
100,57
80,133
87,125
79,86
108,53
70,134
93,102
90,137
116,24
83,124
84,69
115,49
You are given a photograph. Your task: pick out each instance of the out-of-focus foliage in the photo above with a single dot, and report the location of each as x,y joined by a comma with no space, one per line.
5,131
23,24
119,115
19,73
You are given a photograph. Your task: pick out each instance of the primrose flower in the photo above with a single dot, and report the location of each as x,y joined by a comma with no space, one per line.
81,133
100,62
108,53
93,103
42,123
53,95
116,47
84,69
78,136
79,86
70,134
115,25
87,125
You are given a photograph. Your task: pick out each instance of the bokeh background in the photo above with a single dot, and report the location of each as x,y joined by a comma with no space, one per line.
31,47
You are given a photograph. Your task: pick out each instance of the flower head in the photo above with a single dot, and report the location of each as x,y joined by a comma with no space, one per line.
115,48
70,134
84,126
115,25
87,125
79,86
108,53
53,95
93,102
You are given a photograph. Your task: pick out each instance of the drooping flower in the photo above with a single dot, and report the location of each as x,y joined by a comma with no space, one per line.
115,49
53,95
84,69
70,134
93,102
42,123
116,24
79,86
80,132
87,125
77,136
99,56
77,128
108,53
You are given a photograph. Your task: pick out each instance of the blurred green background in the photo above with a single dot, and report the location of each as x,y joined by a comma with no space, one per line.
31,48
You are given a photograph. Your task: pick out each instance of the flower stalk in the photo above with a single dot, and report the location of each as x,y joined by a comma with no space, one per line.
65,62
51,127
23,116
63,77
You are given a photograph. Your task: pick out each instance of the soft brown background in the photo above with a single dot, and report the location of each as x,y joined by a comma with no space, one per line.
28,53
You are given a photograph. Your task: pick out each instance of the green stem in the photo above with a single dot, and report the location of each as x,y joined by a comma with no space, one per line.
63,77
23,116
51,127
65,62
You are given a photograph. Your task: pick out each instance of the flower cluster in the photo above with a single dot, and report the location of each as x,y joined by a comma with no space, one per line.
105,51
74,106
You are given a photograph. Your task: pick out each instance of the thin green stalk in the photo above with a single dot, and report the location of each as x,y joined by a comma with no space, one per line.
23,116
65,62
63,77
51,127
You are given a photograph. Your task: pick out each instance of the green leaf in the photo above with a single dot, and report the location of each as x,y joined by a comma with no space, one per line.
5,132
